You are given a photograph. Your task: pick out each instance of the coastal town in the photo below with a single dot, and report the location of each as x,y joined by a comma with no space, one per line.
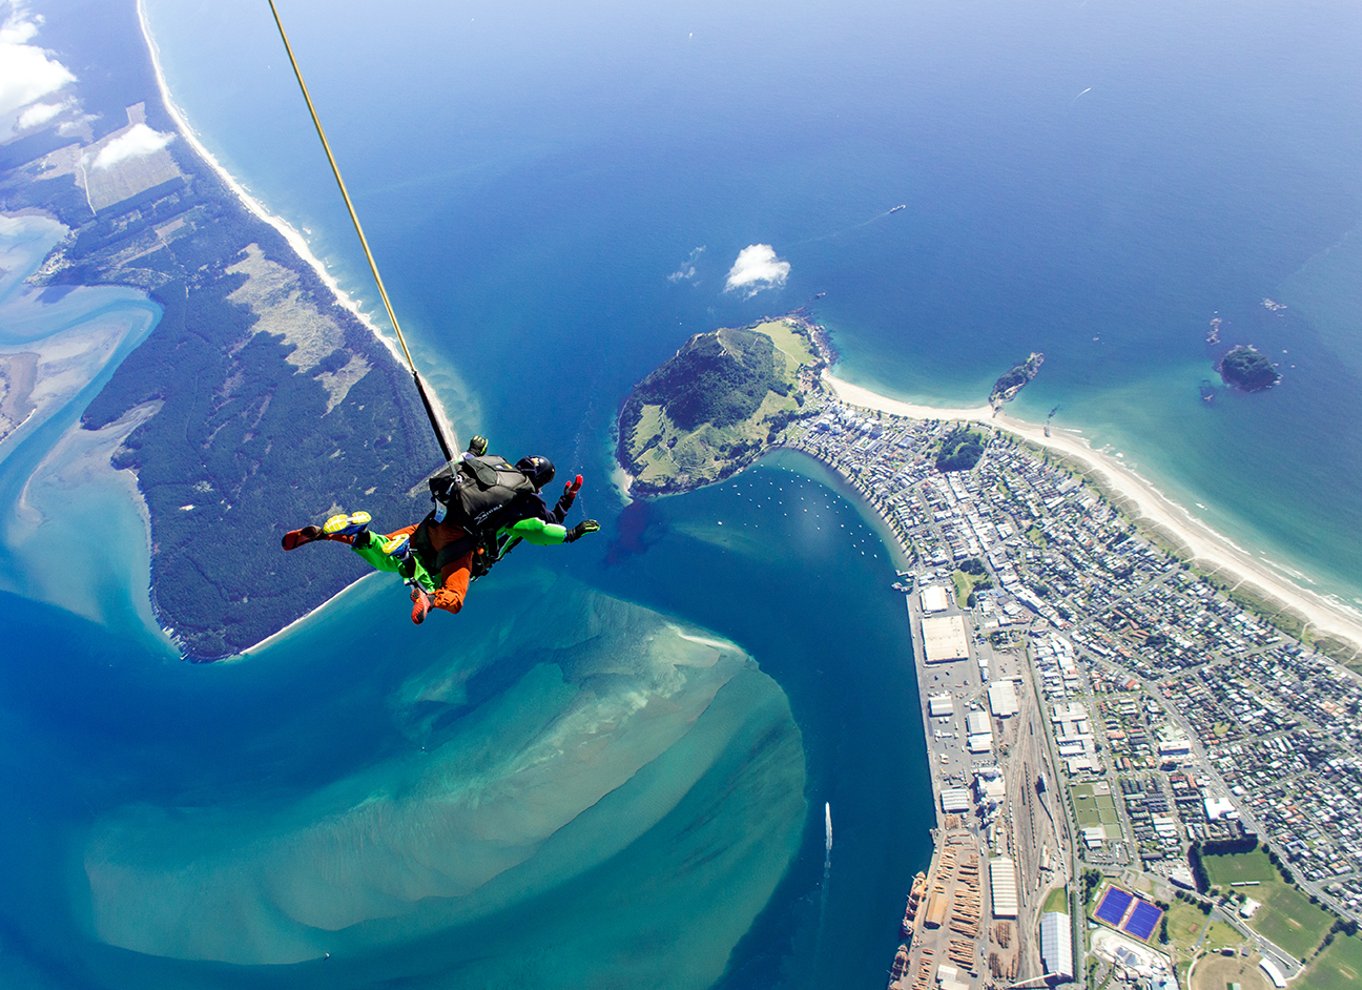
1140,781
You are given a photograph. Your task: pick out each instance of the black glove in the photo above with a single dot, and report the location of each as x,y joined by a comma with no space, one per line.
581,529
477,445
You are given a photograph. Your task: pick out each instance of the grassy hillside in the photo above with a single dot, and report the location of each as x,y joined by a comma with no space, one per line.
723,399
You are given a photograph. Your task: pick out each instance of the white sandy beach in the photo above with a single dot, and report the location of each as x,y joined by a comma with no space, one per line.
299,244
1207,547
290,234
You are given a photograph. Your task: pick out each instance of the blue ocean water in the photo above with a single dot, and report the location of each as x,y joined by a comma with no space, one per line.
1090,179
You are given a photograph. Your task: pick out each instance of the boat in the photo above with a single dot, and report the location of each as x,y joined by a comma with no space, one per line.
827,823
901,206
1207,390
914,902
900,967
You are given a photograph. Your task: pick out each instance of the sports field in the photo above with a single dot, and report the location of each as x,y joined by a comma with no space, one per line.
1094,805
1286,918
1339,967
1185,925
1218,972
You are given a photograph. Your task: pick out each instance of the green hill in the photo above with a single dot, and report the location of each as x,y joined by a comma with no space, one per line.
721,401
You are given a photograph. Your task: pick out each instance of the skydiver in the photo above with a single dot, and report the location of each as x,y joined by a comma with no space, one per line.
483,506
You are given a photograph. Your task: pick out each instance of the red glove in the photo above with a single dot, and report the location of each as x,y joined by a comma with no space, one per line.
571,488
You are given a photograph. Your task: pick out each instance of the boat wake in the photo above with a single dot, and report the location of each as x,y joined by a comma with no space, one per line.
823,887
855,226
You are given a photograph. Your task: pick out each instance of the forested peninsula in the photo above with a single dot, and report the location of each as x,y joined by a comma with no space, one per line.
270,403
719,403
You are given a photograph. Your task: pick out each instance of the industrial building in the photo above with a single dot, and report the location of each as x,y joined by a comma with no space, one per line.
940,704
1056,945
979,731
944,638
1002,882
1002,699
934,599
955,800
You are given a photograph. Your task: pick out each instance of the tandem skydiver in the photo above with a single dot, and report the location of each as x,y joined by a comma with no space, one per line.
483,506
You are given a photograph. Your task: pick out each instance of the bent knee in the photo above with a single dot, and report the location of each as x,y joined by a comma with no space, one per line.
448,601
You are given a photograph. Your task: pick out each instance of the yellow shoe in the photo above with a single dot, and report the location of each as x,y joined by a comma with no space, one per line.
347,524
399,547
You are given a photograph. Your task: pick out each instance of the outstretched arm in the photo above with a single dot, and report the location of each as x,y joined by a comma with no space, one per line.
547,534
539,532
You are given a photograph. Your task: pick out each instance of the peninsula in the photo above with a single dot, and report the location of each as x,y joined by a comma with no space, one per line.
263,398
1108,689
719,403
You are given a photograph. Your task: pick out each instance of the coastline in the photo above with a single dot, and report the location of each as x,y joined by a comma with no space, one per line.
82,460
249,652
290,234
1147,504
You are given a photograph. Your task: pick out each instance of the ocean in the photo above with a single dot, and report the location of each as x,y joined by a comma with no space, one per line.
612,766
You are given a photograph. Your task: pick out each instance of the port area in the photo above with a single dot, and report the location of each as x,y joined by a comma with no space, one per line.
1000,842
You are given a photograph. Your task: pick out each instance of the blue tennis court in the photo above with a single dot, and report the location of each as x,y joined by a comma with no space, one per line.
1113,906
1143,920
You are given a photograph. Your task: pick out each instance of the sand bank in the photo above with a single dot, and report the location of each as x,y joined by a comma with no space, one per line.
1202,544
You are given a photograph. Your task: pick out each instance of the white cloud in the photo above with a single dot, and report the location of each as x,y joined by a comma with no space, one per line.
39,114
27,73
137,140
20,28
686,271
757,268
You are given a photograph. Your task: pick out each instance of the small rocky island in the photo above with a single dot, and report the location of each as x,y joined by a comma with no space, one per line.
1246,369
1015,379
719,403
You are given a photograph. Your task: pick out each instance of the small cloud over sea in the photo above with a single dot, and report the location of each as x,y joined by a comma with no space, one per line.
756,269
686,270
136,141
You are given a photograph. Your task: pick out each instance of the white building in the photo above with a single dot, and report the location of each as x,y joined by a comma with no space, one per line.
939,705
1218,808
1056,945
934,599
955,800
944,638
1002,882
948,978
1273,973
1002,699
980,743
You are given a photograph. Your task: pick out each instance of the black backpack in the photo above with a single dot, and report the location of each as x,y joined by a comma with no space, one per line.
477,492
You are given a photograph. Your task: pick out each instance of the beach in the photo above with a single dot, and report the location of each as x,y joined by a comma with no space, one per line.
290,234
1203,545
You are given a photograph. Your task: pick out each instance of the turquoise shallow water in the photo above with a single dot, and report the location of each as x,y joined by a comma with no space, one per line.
529,178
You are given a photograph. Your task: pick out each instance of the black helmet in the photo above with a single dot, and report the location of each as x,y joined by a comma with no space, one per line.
538,469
